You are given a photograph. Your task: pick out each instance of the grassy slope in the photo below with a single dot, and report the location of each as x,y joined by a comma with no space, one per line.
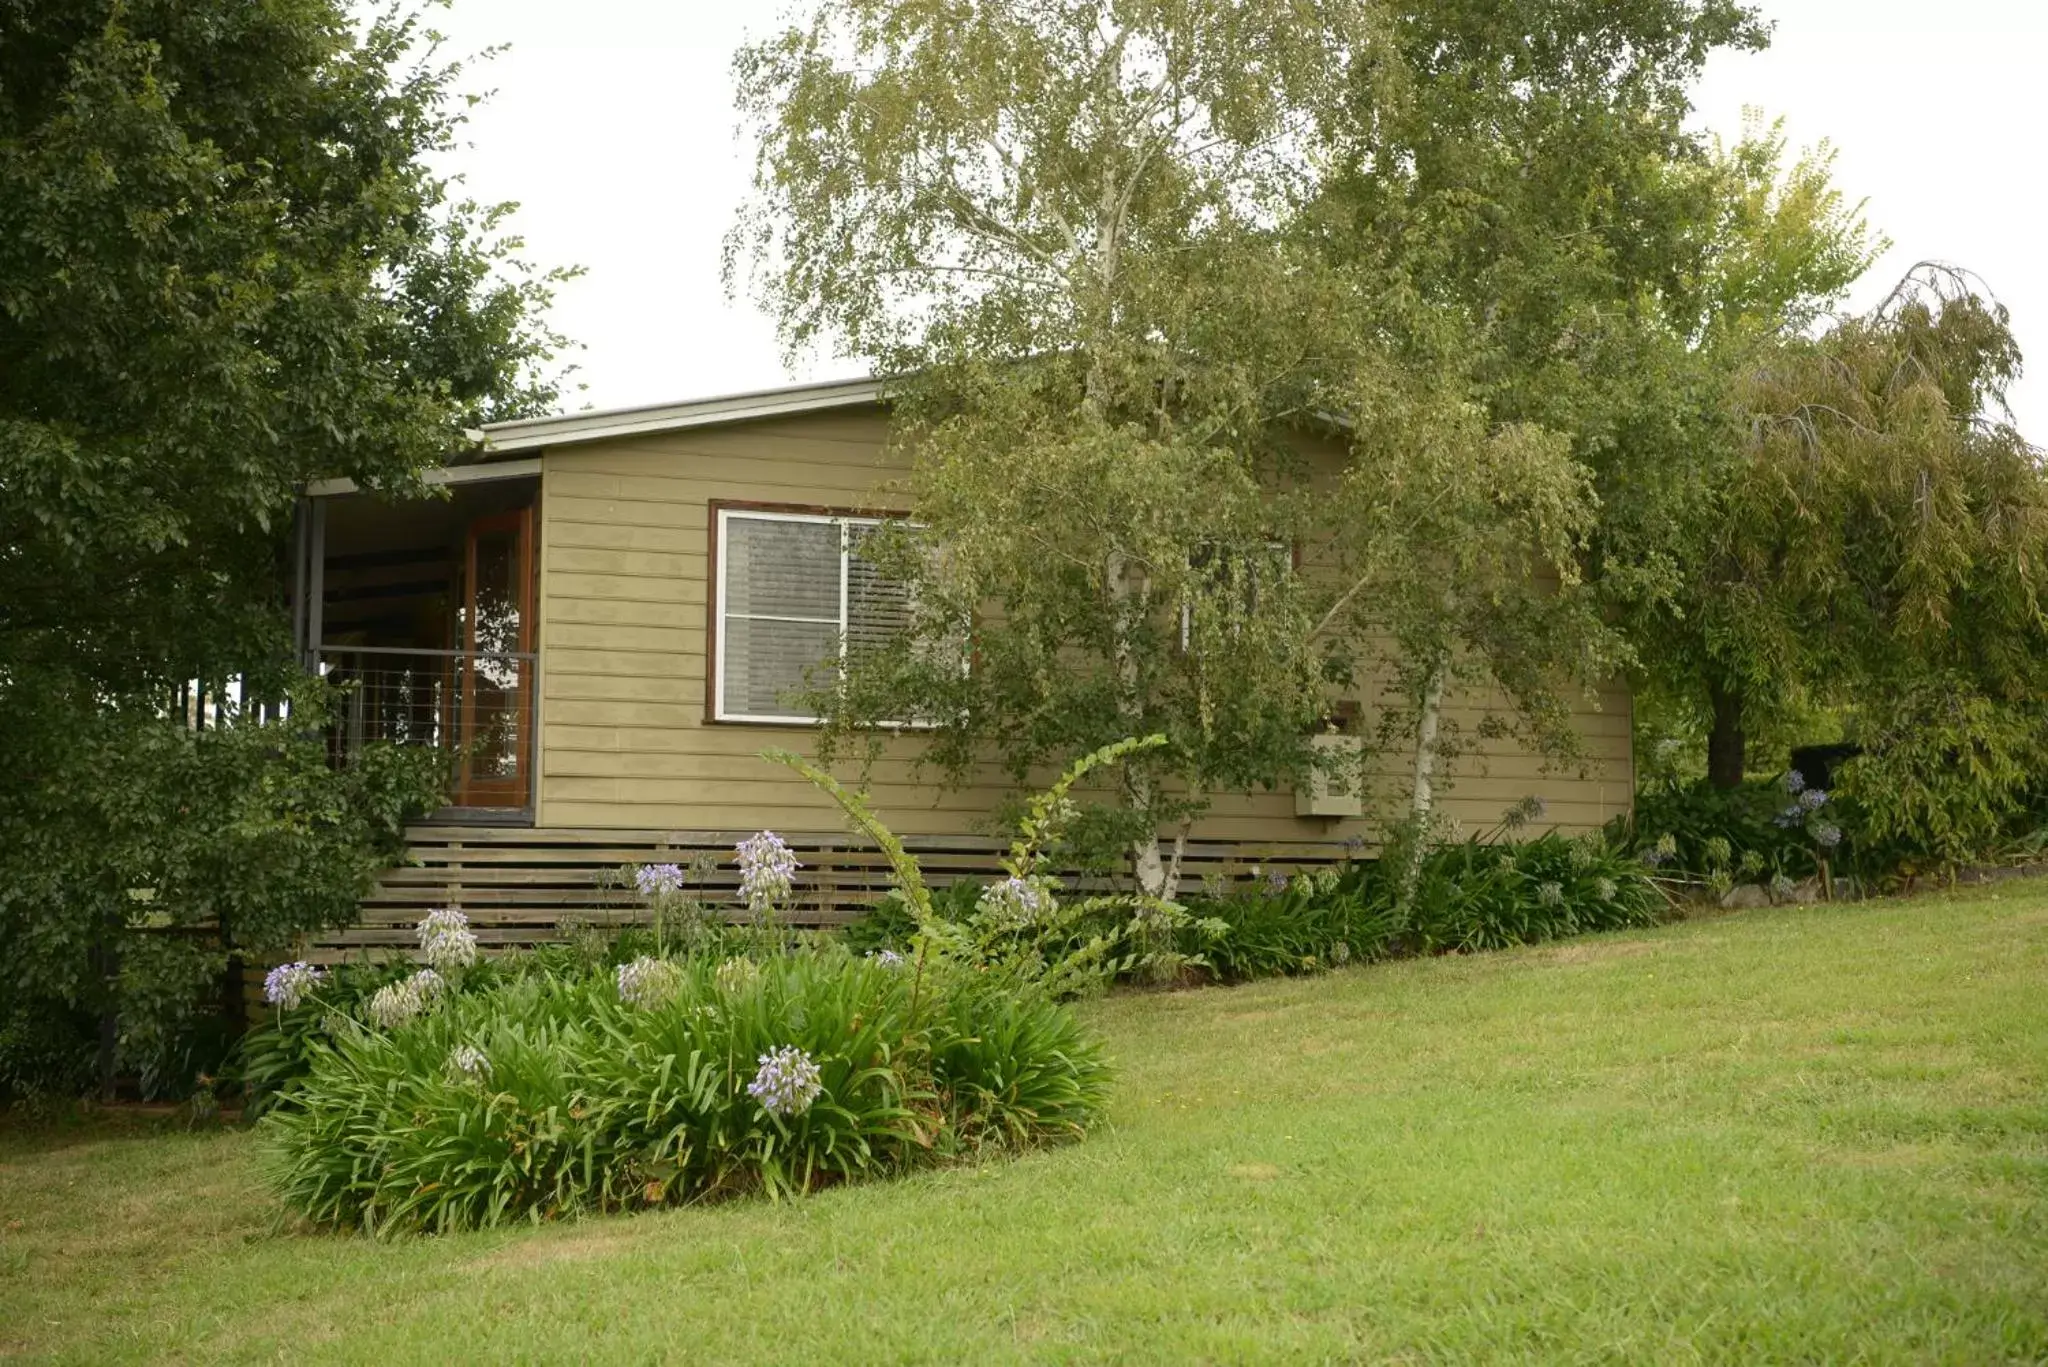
1798,1134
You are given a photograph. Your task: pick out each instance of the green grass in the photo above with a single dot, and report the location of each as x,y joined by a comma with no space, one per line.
1806,1134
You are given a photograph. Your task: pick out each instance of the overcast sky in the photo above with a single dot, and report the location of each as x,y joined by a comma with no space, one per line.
612,125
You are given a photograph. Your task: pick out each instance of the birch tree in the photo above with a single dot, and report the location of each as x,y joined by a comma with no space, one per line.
1187,468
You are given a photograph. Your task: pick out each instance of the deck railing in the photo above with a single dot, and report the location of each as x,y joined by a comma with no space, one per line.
476,705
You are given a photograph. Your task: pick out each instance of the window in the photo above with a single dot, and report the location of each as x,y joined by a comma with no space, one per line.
793,593
1230,580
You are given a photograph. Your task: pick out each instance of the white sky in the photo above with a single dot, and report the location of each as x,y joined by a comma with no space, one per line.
612,125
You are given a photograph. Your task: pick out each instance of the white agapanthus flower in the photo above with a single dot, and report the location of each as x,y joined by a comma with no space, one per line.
767,871
446,941
466,1063
648,982
396,1003
737,976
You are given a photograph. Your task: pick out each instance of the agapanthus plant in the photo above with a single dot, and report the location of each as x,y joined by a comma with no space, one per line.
1665,850
737,976
466,1063
287,985
446,941
767,871
396,1003
786,1083
649,982
658,880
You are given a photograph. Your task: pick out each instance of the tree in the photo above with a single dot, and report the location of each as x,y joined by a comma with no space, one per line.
226,268
1529,186
1146,346
1846,504
1884,521
1771,253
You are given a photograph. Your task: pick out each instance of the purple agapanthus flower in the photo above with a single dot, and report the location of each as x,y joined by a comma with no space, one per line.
1795,782
287,985
657,880
787,1082
1813,799
1827,835
767,871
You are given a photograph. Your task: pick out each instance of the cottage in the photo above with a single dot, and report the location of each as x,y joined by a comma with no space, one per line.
604,619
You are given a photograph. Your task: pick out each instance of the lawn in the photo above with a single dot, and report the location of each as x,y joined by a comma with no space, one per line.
1800,1134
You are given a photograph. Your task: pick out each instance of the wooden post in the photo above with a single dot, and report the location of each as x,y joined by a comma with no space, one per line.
316,590
302,535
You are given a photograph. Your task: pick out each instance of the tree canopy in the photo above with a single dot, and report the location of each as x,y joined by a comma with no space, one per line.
227,267
1168,282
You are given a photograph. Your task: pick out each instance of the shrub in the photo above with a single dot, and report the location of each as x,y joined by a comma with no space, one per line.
1295,925
46,1052
1763,829
546,1095
1946,776
1478,896
130,841
1482,894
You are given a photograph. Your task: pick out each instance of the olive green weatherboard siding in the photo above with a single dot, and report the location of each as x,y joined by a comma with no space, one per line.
624,612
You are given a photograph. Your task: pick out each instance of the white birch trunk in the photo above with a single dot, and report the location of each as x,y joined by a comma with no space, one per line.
1422,801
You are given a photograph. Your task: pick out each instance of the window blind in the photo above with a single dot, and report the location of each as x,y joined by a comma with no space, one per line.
794,593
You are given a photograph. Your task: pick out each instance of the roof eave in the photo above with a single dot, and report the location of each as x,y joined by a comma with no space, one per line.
501,439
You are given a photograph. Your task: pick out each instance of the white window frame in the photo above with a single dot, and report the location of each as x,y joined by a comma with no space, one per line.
846,523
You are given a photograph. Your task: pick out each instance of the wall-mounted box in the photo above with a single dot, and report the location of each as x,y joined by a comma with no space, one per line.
1332,790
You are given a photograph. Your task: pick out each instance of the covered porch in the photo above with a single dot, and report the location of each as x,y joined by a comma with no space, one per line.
422,610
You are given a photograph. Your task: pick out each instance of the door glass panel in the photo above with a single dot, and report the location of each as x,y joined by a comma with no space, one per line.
495,691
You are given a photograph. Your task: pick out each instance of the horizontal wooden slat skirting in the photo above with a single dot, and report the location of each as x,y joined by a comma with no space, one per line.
519,886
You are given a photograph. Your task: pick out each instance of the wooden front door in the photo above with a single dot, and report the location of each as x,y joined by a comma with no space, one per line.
494,673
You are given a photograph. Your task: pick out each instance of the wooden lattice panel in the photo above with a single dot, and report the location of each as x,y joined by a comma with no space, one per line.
518,886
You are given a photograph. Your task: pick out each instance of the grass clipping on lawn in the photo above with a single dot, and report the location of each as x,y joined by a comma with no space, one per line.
1794,1134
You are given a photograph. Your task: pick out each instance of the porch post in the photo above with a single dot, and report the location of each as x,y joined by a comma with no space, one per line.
302,535
316,593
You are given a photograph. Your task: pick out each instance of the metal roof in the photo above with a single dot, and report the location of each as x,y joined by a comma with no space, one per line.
565,429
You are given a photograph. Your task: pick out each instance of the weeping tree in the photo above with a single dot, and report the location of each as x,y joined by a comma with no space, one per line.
1841,502
1884,525
1179,467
